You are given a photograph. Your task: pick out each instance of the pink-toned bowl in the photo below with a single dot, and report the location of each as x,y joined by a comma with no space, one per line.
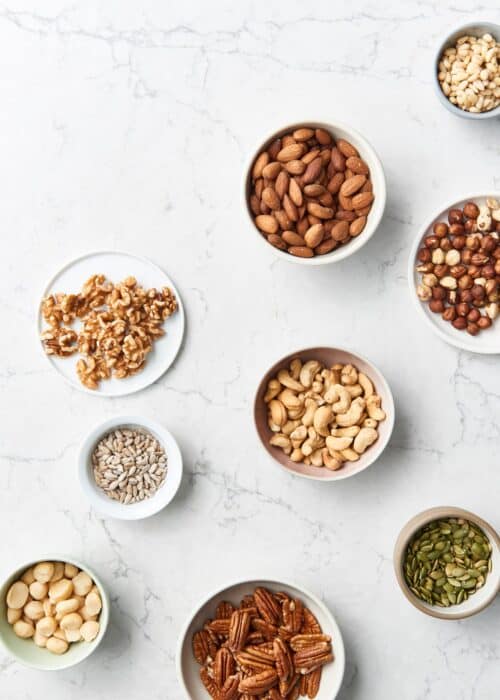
327,356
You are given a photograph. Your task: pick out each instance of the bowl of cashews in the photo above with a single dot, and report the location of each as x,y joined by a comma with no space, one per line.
324,413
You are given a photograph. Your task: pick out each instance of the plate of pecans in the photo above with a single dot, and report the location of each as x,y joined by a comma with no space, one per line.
111,323
261,638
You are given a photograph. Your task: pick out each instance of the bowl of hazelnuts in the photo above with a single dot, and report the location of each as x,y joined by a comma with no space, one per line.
454,273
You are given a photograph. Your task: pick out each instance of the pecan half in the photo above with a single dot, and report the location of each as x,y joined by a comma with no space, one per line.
219,627
230,691
293,615
267,605
310,624
209,683
288,687
284,661
223,666
302,641
260,683
255,659
239,627
312,684
311,658
224,610
269,632
203,647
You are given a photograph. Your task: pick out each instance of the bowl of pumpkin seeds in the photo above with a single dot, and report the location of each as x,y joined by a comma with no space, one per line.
447,562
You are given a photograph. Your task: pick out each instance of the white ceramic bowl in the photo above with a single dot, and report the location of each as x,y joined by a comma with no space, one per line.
472,29
143,509
368,154
487,341
188,671
476,602
25,650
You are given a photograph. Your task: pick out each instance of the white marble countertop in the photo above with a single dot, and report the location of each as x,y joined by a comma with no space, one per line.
126,125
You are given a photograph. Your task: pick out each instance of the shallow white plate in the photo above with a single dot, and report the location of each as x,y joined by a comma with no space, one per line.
132,511
188,670
116,266
487,341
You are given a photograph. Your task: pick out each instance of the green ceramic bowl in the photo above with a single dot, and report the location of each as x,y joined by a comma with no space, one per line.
25,650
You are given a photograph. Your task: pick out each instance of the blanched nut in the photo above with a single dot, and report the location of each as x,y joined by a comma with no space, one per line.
73,635
23,629
34,610
373,408
65,607
370,423
46,626
308,372
322,419
17,595
39,639
28,577
72,621
61,590
424,292
38,590
364,439
89,630
57,646
317,458
353,415
288,381
43,571
13,615
70,571
58,571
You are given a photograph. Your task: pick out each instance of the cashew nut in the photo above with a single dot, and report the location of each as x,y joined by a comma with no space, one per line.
349,375
317,386
317,458
350,455
272,426
295,367
273,389
296,413
313,442
370,423
353,415
336,371
366,384
289,399
310,406
364,439
288,381
297,455
322,419
308,372
290,426
282,441
373,407
278,412
355,390
298,435
351,432
331,462
337,444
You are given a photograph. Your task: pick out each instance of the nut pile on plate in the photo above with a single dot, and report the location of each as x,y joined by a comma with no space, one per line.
323,416
119,324
310,194
271,646
54,604
460,267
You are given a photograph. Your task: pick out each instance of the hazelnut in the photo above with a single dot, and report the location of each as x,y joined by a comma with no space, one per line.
474,271
462,309
440,229
466,296
484,322
438,256
472,328
436,306
424,255
471,210
492,310
459,242
470,226
439,293
455,216
472,242
431,241
457,229
497,267
424,293
449,314
488,271
430,280
474,315
465,281
492,288
466,256
459,323
426,267
478,292
441,271
445,244
479,259
488,244
452,257
449,282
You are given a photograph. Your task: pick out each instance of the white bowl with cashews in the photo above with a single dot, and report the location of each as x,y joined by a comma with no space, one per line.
54,613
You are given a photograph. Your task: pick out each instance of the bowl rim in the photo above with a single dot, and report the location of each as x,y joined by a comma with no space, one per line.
103,618
390,414
118,511
447,40
262,580
416,523
451,340
344,251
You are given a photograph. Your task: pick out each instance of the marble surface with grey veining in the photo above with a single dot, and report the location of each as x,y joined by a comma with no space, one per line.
126,125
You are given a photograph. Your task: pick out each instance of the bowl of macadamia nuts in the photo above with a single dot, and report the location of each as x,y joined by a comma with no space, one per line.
314,192
454,273
53,613
324,413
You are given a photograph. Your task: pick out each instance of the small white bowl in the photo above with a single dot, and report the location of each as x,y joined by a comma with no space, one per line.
143,509
25,651
471,29
477,602
487,341
366,151
188,670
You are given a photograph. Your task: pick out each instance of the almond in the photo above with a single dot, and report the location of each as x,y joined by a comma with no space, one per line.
357,165
310,156
270,198
319,211
346,148
282,183
323,137
290,208
274,149
336,182
313,171
282,219
295,193
303,134
314,235
301,251
295,167
362,199
276,240
266,223
352,185
338,160
314,190
293,238
340,232
357,226
345,202
260,162
326,246
291,152
271,170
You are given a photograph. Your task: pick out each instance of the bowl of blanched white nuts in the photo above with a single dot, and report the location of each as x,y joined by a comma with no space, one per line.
53,613
130,467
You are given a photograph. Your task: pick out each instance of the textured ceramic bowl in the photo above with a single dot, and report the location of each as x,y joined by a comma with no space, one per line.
487,341
25,650
143,509
188,671
328,356
472,29
366,151
476,602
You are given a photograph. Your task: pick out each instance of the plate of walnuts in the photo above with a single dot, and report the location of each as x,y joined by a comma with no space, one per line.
110,323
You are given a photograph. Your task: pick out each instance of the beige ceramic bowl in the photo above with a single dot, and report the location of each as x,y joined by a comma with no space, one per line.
328,356
366,151
476,602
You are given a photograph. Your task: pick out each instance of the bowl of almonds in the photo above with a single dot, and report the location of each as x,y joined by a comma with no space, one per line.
130,467
324,413
454,273
53,613
261,638
314,192
447,562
